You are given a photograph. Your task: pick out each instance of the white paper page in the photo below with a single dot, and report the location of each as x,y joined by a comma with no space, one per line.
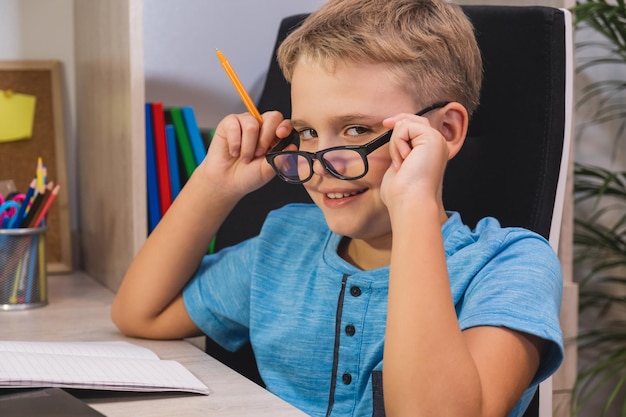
35,369
117,349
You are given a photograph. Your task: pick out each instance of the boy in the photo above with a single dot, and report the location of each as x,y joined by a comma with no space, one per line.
376,284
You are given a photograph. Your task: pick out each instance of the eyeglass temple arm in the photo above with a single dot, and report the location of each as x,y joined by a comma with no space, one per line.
284,142
377,143
433,107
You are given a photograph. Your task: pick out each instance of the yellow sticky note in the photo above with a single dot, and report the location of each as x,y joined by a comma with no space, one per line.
17,113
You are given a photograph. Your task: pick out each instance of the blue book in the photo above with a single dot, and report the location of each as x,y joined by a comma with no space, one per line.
172,159
197,145
154,208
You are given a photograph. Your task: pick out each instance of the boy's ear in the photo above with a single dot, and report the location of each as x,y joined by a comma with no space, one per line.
453,121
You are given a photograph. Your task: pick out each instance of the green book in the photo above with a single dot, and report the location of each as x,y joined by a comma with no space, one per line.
182,137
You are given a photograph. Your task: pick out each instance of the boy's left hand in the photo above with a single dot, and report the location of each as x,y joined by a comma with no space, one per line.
419,154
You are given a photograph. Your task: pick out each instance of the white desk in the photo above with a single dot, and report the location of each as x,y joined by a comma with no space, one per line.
78,310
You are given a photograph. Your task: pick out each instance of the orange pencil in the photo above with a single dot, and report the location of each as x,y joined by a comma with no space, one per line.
245,97
44,210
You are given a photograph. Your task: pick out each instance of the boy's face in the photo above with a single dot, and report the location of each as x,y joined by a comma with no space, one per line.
346,107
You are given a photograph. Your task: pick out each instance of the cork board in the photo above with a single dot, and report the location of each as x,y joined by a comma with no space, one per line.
18,159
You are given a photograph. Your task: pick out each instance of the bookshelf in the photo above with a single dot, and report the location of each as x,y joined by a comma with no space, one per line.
110,135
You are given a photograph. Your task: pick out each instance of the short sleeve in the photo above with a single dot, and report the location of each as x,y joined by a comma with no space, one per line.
217,298
520,288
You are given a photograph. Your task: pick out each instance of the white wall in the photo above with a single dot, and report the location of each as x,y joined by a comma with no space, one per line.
180,38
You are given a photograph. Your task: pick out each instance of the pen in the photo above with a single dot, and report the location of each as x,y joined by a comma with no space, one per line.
245,97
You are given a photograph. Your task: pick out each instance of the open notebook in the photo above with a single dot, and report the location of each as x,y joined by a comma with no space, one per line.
117,366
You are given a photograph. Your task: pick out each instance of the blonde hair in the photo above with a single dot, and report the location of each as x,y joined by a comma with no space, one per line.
429,45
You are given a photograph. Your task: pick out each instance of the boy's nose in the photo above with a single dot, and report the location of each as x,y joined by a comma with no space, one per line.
318,168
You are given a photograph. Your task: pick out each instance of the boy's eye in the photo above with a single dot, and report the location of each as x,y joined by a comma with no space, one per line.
307,134
357,130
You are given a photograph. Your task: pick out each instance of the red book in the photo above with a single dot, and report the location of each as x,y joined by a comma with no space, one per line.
160,151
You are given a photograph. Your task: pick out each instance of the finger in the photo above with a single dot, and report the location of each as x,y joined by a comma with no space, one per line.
230,130
391,121
249,137
395,155
403,146
284,129
272,121
401,140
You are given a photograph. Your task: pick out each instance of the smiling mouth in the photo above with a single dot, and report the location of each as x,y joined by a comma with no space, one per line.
334,196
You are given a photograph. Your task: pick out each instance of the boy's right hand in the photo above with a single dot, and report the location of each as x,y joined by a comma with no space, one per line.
234,166
236,156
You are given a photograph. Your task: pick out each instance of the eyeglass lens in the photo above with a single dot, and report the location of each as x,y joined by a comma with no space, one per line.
297,167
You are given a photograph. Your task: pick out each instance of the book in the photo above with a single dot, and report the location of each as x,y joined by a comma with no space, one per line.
172,157
154,208
184,145
160,150
48,402
113,366
199,151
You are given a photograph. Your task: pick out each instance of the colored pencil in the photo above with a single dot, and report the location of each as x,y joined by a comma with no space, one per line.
46,206
19,216
40,174
32,211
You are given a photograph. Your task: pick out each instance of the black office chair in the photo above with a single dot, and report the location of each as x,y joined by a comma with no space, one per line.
512,166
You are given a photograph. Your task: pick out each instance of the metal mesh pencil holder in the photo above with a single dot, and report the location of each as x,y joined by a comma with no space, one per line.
23,281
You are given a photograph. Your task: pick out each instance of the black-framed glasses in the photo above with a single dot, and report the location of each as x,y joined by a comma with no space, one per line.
347,162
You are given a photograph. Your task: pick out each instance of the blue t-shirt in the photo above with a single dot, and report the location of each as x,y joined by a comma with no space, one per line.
317,323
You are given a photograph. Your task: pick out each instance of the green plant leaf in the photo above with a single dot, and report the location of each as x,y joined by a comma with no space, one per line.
600,212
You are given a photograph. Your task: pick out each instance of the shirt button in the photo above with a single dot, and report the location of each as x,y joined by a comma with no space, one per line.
346,378
355,291
350,330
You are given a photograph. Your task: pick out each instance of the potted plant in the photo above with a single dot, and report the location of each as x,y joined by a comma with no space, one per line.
600,242
600,222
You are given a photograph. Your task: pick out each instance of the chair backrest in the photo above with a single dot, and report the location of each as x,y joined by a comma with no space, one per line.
513,163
